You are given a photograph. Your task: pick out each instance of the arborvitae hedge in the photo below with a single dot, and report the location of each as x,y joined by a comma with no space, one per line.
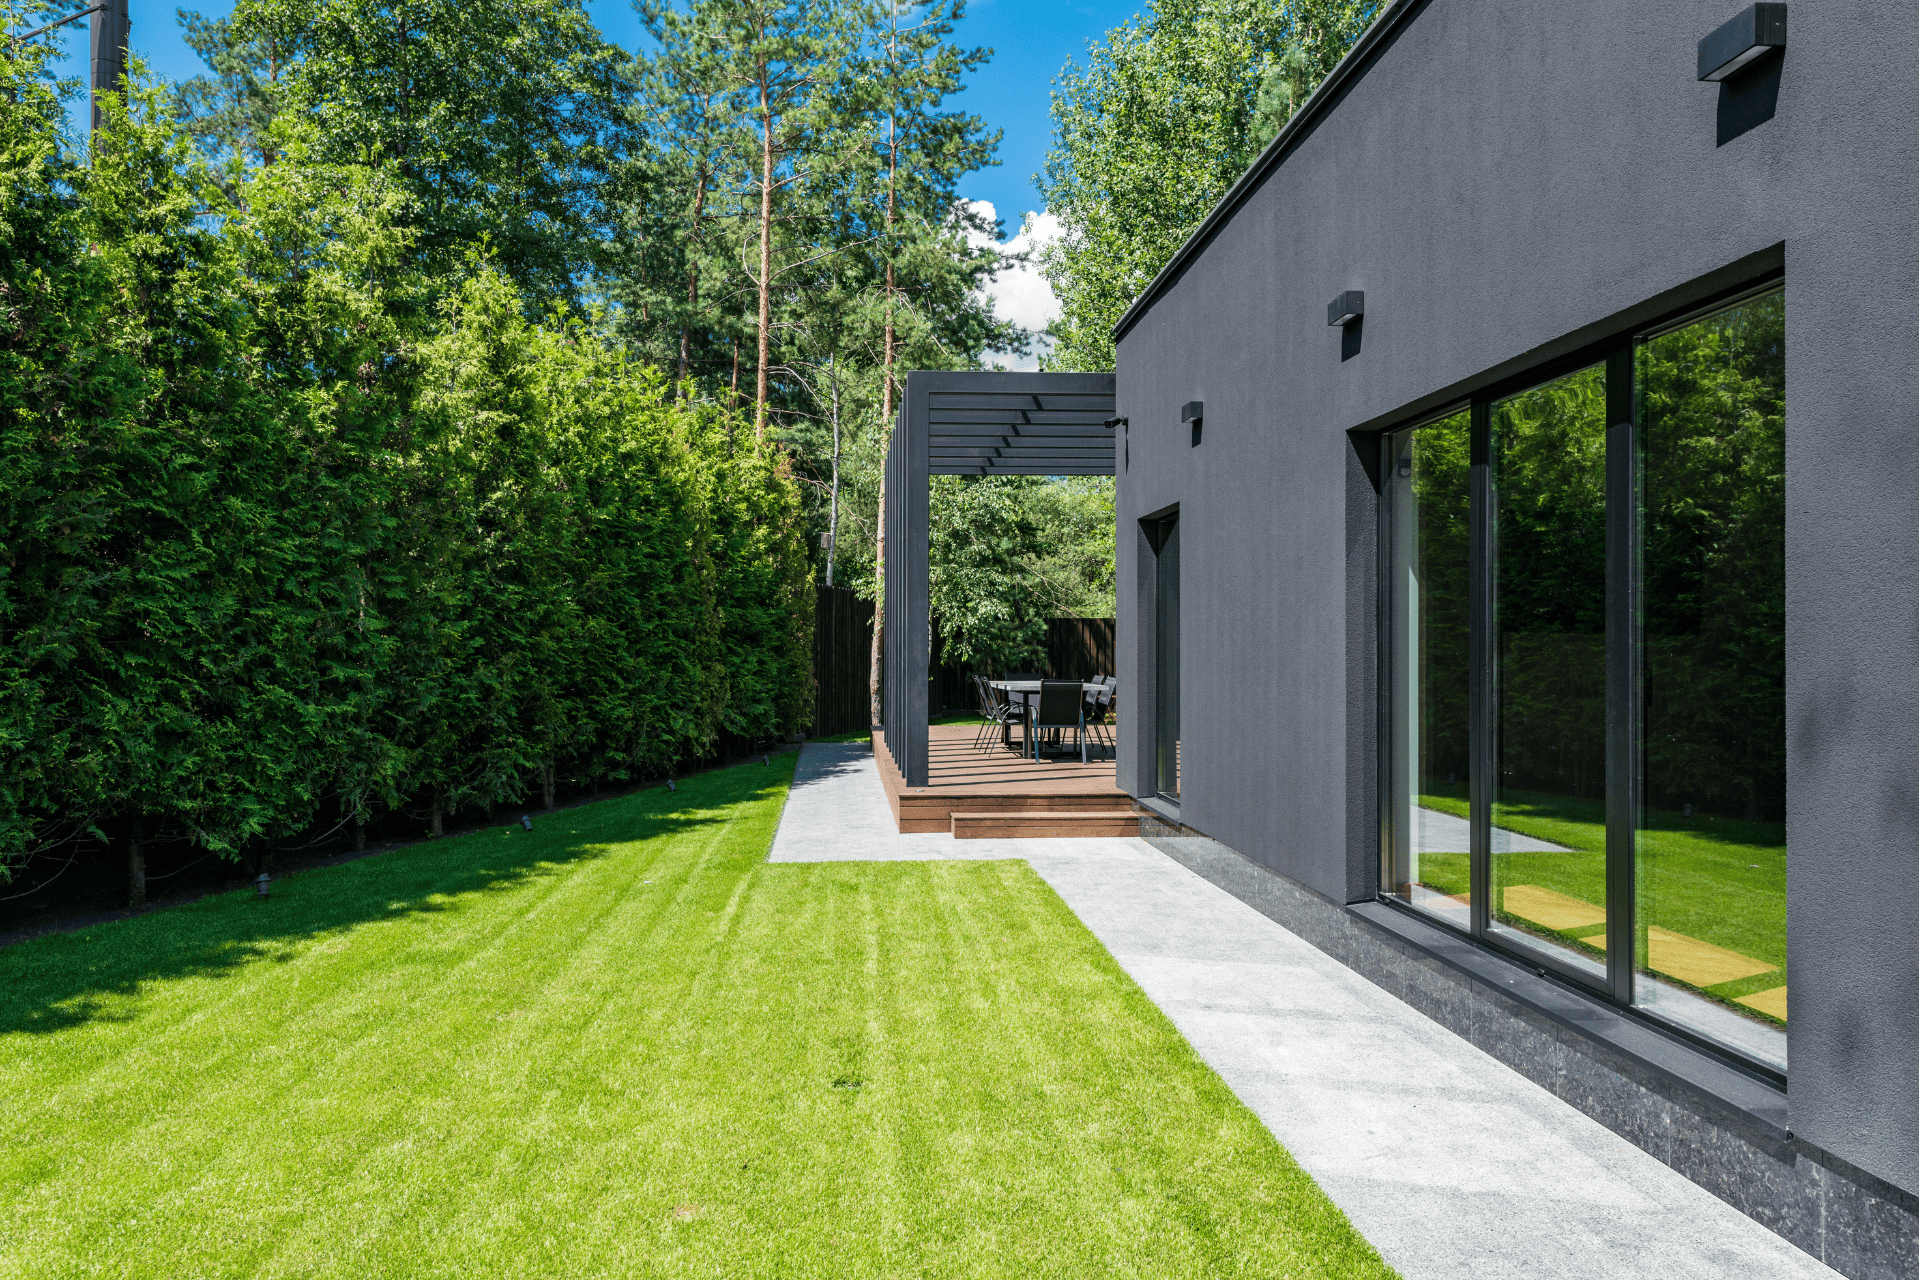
288,535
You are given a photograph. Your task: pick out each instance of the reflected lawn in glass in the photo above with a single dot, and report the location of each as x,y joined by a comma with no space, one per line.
1724,880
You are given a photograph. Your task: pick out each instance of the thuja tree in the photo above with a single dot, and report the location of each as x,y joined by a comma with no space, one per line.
283,544
189,499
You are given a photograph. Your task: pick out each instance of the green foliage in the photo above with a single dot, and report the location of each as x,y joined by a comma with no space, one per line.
1713,415
497,118
982,534
1074,569
231,113
283,540
1163,119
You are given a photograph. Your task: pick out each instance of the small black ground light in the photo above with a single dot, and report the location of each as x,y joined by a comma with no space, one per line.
263,884
526,821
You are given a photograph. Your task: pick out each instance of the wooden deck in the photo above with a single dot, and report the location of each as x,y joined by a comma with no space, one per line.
993,793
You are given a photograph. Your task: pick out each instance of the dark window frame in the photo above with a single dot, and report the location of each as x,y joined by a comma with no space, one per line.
1161,528
1623,659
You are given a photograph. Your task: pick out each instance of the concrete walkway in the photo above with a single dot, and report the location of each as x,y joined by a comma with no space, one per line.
1449,1162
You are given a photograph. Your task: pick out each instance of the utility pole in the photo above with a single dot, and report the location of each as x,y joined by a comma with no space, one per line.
108,38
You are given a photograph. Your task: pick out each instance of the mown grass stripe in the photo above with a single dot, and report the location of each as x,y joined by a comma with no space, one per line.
511,1054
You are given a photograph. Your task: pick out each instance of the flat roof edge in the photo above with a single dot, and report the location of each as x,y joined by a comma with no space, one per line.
1392,14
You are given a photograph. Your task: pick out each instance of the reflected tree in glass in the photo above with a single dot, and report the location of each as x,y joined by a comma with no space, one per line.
1548,853
1710,864
1428,523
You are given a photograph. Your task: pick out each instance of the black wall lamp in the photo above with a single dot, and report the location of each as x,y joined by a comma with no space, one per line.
1346,308
1757,29
1193,411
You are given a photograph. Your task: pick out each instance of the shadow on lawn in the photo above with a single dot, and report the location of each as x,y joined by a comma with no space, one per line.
56,982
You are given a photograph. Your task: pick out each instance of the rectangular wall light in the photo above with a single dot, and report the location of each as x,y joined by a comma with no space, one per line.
1753,31
1346,308
1193,411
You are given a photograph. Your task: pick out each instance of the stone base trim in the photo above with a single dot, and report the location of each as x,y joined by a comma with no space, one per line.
1720,1128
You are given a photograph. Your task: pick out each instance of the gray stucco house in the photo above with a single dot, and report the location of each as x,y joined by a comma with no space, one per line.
1518,501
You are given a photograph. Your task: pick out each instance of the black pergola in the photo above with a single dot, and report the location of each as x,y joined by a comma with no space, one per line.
969,424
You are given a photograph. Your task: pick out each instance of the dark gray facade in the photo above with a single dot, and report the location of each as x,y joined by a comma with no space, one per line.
1511,182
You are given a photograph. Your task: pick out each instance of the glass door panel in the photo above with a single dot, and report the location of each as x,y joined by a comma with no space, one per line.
1547,859
1710,924
1428,524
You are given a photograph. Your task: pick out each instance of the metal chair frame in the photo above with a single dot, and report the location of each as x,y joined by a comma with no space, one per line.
1049,712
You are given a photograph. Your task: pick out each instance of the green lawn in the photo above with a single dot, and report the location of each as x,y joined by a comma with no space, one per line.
625,1046
1720,880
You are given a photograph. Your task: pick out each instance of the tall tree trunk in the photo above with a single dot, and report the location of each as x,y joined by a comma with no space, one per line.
693,269
766,256
879,608
833,491
546,785
886,412
439,815
733,388
136,865
887,342
359,836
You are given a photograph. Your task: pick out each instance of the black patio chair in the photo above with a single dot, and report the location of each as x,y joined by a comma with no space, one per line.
996,712
1099,703
1060,707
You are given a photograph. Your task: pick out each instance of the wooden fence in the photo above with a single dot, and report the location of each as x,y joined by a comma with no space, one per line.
1076,649
842,654
842,650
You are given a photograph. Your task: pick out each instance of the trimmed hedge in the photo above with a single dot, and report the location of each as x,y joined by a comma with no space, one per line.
289,534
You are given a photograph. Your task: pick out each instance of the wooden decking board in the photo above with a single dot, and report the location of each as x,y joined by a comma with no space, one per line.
1047,797
1054,824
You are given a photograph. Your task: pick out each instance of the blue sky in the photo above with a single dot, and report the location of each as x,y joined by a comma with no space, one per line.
1031,40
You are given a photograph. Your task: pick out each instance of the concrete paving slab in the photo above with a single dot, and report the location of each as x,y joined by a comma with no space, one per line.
1448,1161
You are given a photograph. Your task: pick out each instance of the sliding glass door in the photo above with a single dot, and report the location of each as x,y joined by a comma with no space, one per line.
1583,607
1429,836
1547,480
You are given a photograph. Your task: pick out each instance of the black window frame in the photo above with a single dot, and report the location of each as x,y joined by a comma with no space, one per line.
1623,745
1161,529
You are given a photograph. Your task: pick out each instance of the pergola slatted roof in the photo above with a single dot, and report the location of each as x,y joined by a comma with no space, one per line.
969,424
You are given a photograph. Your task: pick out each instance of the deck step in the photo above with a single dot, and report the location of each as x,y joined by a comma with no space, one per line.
1043,824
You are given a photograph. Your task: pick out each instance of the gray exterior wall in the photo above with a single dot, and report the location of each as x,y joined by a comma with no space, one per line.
1510,180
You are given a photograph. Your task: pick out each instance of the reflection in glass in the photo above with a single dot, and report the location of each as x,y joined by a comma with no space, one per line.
1710,937
1548,866
1167,657
1428,510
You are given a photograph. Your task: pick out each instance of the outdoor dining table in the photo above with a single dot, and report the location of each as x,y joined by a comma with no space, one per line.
1026,689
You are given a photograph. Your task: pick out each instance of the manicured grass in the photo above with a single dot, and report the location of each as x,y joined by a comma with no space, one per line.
1720,880
624,1045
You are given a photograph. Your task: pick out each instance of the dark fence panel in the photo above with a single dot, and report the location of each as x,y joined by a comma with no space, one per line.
1079,647
842,655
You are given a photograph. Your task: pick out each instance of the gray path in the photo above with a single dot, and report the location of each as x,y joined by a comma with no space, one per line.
1439,832
1449,1162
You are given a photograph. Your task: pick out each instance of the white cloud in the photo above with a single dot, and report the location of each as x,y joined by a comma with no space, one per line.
1020,293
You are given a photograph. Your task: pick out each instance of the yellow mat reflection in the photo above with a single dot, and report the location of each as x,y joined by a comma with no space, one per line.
1554,910
1773,1000
1700,963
